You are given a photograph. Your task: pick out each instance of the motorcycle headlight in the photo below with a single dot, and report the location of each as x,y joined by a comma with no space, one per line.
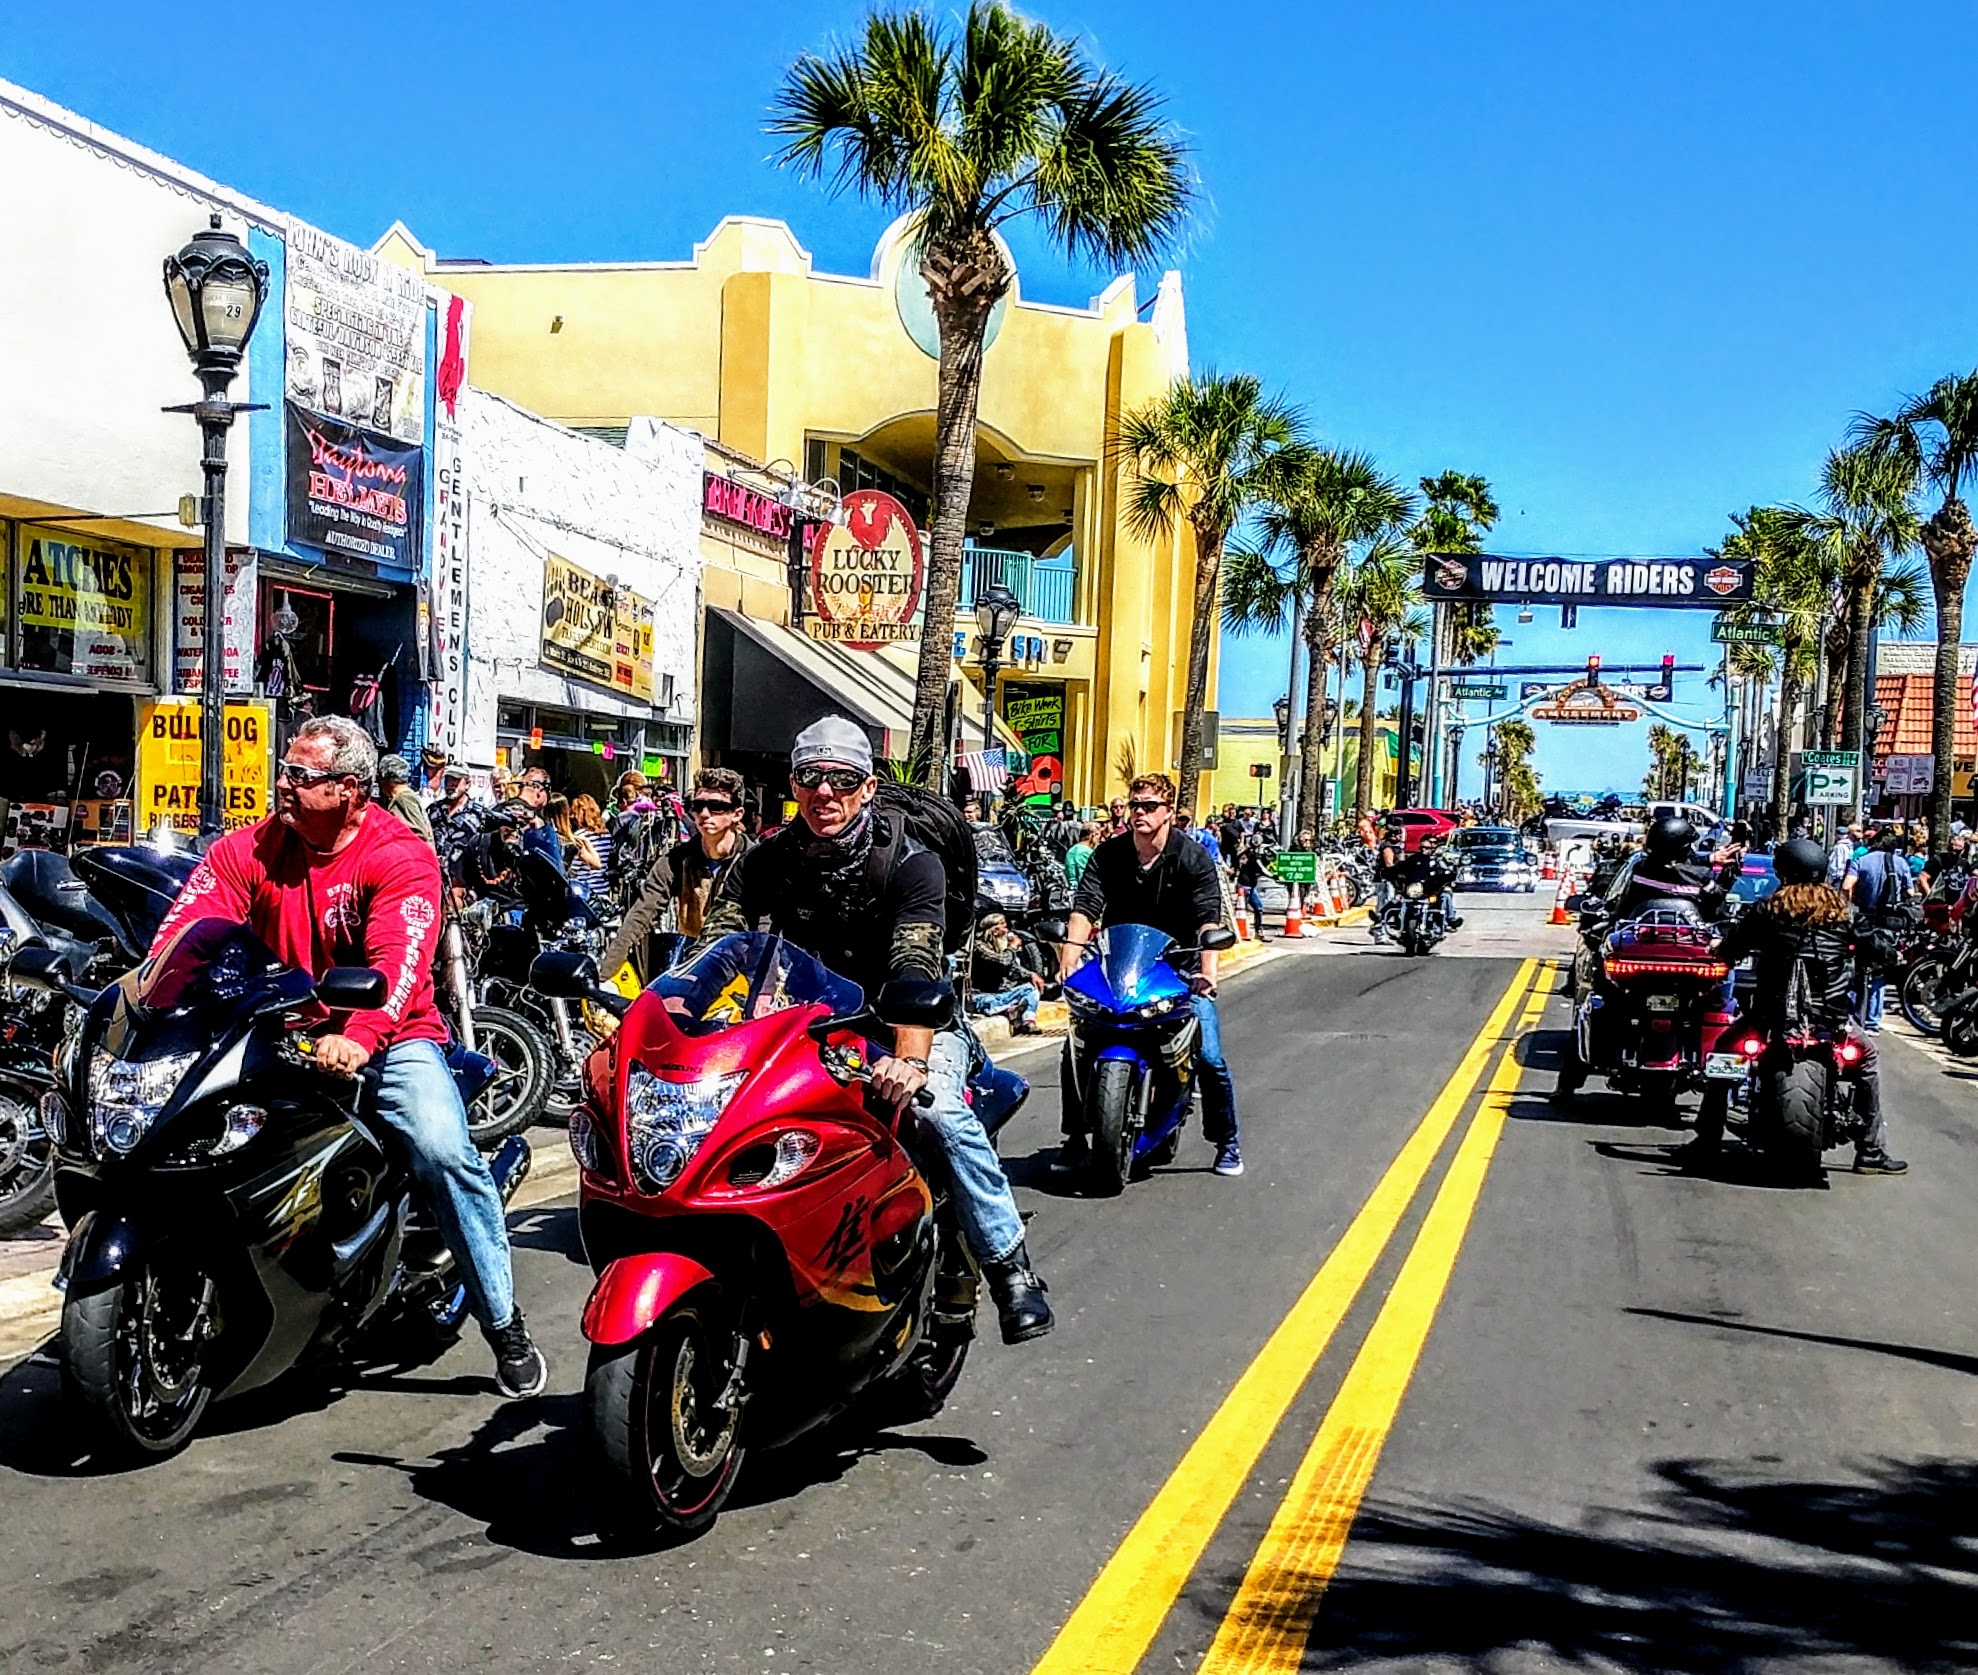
584,1141
55,1119
1414,892
126,1096
665,1122
1155,1008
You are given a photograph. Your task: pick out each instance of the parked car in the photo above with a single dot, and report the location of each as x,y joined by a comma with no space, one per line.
1418,823
1494,858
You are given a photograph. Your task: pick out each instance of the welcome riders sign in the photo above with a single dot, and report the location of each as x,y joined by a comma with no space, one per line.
1699,583
866,578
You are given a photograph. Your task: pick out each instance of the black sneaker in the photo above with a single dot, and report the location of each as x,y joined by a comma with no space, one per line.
1074,1156
520,1369
1878,1163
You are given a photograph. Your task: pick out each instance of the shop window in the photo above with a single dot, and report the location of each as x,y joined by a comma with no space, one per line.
83,605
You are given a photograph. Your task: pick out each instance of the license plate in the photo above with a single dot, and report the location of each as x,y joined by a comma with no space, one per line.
1724,1067
1663,1003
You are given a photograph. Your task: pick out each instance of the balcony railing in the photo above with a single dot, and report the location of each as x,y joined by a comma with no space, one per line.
1048,589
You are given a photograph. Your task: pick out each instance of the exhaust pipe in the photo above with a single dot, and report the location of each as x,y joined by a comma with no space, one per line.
510,1166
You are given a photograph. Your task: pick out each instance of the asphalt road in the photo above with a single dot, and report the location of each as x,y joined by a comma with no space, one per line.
1576,1410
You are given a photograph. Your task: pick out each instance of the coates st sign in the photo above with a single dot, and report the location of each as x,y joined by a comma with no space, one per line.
1586,703
866,577
1706,583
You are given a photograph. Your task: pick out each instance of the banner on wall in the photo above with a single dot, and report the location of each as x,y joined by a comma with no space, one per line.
352,491
596,630
189,620
167,790
82,605
1035,712
866,576
356,335
446,719
1689,583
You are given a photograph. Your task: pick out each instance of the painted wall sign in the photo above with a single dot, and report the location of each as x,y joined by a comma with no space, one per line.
356,335
167,791
84,605
596,630
189,620
866,578
1701,583
353,491
1036,714
446,719
723,497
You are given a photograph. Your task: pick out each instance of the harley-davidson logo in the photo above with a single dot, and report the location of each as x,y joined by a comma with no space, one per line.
1451,573
1722,580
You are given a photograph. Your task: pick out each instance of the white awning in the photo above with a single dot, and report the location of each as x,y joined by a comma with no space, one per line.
870,686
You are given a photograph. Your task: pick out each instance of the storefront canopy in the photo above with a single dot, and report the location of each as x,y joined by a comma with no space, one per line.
774,682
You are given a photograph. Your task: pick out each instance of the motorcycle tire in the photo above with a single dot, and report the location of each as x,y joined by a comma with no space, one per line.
1923,991
644,1402
1112,1126
524,1061
919,1388
136,1404
27,1164
1798,1137
1961,1027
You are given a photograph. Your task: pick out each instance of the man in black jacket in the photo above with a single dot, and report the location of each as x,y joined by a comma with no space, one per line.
847,884
1155,875
1801,941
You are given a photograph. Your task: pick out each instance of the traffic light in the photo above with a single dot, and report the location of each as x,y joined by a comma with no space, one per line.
1668,676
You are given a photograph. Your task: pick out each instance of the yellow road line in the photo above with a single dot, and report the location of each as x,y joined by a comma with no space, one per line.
1117,1620
1271,1618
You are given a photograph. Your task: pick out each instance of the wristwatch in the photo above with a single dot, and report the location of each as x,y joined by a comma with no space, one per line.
918,1064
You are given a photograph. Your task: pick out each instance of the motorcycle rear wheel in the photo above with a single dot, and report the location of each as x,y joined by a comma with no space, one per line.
1961,1028
1112,1126
132,1360
523,1060
1798,1137
27,1164
651,1409
1925,986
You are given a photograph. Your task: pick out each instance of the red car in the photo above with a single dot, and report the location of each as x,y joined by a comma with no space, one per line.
1418,823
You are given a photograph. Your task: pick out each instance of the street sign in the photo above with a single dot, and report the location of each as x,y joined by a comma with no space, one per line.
1260,770
1832,786
1830,759
1475,691
1727,633
1296,866
1910,776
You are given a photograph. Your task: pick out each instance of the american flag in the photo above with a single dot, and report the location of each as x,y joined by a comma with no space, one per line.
987,770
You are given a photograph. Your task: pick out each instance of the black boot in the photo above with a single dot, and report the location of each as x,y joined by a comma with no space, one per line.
1019,1293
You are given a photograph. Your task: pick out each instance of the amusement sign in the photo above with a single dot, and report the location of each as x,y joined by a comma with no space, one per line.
1586,703
866,577
1705,583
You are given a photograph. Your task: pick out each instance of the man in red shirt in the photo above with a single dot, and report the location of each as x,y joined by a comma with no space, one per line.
330,878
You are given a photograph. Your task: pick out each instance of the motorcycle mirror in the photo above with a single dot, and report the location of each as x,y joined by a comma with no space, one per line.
352,988
1218,939
564,975
916,1003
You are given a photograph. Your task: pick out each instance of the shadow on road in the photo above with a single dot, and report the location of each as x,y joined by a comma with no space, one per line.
555,1231
1949,1359
1727,1571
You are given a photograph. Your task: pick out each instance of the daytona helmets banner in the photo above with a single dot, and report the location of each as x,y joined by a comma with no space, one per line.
352,491
1700,583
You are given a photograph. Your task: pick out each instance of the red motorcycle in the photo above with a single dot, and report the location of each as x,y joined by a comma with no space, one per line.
766,1250
1647,1009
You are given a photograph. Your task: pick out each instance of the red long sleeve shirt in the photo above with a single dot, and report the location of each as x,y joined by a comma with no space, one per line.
375,902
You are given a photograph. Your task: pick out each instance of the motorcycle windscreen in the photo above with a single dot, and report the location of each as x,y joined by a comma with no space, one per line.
1133,959
549,894
191,990
738,979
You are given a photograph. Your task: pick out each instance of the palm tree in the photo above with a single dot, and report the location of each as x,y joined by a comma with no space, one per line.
1935,436
1331,502
1379,603
1208,452
1458,511
966,134
1519,799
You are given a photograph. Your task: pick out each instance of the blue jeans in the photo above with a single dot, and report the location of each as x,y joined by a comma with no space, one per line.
984,1204
1873,994
417,1097
1218,1085
1002,1000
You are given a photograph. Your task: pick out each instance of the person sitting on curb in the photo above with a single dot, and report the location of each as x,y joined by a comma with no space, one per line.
1003,985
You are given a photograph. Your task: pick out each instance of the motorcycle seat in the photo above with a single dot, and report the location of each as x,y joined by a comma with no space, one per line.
45,884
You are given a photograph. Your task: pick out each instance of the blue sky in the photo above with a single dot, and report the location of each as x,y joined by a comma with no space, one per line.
1637,265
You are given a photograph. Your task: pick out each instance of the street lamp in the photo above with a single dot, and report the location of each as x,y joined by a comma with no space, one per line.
1282,710
996,611
216,290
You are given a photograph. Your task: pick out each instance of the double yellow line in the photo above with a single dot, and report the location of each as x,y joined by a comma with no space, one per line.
1271,1617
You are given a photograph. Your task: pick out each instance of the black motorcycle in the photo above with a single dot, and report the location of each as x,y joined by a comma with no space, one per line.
1414,917
233,1211
1797,1100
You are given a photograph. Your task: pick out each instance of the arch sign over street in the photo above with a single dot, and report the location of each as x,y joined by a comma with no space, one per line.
1484,578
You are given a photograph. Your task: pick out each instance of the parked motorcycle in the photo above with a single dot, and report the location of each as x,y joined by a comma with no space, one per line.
231,1212
1796,1097
1938,964
1647,1006
1130,1058
766,1250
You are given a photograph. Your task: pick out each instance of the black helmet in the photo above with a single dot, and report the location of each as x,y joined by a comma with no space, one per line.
1800,861
1670,838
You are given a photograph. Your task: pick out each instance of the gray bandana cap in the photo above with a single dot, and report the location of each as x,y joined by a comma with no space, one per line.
833,742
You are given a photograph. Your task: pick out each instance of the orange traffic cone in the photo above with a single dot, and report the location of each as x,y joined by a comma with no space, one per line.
1559,914
1294,922
1242,921
1549,866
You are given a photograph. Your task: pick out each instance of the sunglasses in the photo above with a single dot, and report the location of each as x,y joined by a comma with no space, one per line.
302,778
1142,805
704,805
535,785
841,780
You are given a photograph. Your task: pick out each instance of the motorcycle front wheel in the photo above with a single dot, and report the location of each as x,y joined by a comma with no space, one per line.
133,1360
652,1407
1112,1126
27,1164
524,1071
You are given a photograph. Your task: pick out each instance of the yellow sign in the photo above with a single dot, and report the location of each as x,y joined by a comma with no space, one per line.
596,630
167,792
88,599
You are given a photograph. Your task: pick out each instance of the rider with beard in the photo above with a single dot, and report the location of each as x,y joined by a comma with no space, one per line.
847,884
1801,941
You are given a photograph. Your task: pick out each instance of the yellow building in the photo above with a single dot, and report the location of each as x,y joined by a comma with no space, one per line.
833,376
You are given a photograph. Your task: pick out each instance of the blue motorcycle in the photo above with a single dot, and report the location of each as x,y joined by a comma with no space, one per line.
1130,1062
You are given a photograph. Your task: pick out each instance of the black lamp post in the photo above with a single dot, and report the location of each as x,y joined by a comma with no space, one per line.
996,611
216,290
1282,710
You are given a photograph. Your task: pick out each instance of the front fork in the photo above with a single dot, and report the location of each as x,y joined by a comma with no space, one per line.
459,988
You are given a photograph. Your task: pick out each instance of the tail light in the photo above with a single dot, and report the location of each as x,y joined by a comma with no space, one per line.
1713,970
1751,1046
1848,1052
